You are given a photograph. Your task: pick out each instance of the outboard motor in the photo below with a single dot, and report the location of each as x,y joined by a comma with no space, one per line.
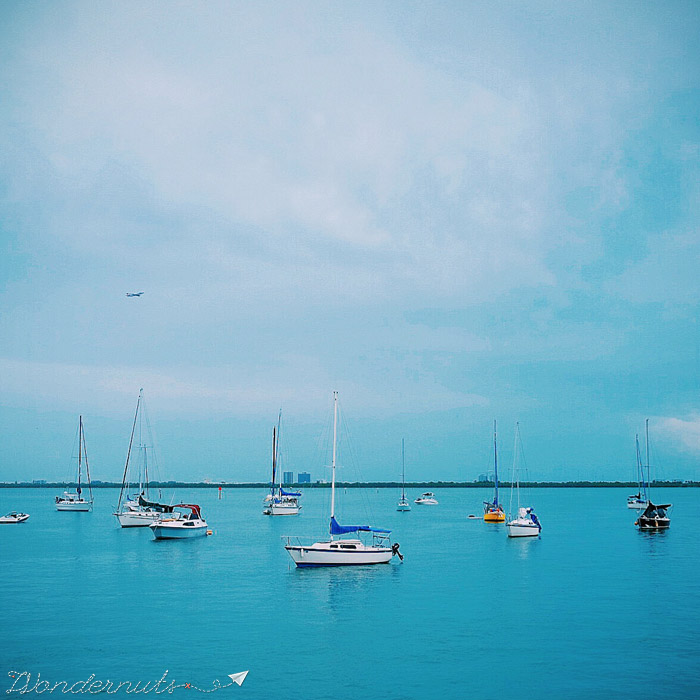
395,551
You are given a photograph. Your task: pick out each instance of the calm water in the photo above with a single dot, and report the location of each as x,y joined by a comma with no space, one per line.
594,607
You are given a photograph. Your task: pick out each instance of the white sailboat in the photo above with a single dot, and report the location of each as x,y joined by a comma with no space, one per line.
279,501
640,500
343,552
138,510
403,505
74,501
525,524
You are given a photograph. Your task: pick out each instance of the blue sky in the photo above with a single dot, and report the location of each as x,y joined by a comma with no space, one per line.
449,212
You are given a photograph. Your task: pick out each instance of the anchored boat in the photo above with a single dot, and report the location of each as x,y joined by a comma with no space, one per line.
74,501
525,524
138,510
343,552
403,504
654,517
13,517
426,499
493,510
279,501
639,500
177,528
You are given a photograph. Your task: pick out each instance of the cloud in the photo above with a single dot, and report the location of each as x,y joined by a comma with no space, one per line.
683,432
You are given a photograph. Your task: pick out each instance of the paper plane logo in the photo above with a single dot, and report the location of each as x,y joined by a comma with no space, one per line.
238,678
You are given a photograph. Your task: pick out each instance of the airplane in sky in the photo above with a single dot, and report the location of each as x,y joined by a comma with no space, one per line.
134,294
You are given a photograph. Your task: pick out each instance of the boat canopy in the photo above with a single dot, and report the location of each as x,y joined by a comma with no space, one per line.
652,510
290,493
194,508
155,506
345,529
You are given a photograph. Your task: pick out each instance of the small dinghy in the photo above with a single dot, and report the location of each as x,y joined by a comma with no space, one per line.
13,517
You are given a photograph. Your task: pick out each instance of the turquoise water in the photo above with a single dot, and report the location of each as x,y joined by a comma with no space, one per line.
592,608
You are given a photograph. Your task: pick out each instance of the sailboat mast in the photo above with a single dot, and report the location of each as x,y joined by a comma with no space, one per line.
403,472
516,463
646,429
335,435
640,468
495,466
277,449
128,454
87,466
274,459
80,451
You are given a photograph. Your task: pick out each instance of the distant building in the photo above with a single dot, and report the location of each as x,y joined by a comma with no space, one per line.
304,478
39,481
288,477
321,481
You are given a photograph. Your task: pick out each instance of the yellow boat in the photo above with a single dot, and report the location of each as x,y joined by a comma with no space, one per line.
493,511
494,515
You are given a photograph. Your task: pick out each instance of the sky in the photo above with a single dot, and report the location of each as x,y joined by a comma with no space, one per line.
449,212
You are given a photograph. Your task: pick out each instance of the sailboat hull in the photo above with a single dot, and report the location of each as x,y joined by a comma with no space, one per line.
525,528
653,523
497,516
136,518
321,554
279,509
637,505
79,506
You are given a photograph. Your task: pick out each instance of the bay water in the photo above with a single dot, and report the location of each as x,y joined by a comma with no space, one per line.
592,608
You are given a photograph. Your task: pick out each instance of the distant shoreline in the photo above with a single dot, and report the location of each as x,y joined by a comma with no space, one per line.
355,484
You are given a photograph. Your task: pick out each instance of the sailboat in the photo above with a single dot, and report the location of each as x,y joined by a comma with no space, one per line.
654,517
343,552
279,501
138,510
525,524
74,501
403,504
639,500
493,511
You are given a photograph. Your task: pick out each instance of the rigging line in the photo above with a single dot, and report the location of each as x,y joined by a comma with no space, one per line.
128,454
87,466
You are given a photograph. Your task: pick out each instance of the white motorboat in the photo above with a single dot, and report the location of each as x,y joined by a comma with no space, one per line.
279,501
74,501
403,505
640,500
13,517
190,525
343,552
426,499
139,510
525,524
